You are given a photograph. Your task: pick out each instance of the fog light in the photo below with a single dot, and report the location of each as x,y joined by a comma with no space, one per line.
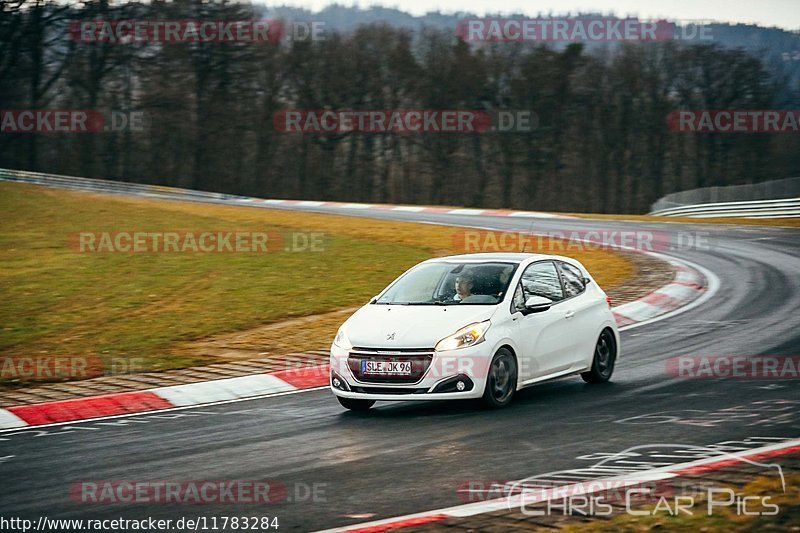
338,382
459,383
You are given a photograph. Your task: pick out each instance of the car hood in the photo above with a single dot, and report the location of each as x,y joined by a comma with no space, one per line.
410,326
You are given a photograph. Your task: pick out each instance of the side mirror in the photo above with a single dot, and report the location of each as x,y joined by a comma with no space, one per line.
537,304
586,281
374,299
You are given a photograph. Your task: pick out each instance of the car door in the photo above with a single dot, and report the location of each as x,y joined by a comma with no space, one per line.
541,335
580,308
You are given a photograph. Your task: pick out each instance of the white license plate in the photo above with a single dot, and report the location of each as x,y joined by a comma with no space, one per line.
386,368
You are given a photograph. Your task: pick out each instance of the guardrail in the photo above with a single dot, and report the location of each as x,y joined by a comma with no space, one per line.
783,208
98,185
749,192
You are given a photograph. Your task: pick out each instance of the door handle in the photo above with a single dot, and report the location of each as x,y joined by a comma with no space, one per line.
569,314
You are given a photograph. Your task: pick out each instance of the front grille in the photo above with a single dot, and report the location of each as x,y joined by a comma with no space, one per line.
387,390
420,359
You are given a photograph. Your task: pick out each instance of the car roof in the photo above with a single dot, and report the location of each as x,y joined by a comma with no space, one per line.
507,257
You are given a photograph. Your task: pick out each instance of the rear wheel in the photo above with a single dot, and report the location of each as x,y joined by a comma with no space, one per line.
605,355
355,404
501,382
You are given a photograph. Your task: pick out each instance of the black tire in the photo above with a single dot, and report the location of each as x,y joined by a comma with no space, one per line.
605,355
501,381
354,404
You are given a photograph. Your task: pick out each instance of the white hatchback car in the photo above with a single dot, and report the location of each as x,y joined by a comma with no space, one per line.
475,326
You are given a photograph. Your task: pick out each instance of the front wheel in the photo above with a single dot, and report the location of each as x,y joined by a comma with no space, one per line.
354,404
605,354
501,382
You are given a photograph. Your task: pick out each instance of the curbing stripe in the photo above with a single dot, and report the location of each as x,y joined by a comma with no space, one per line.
686,287
410,208
10,420
639,311
306,377
466,212
622,320
678,291
92,407
222,389
408,522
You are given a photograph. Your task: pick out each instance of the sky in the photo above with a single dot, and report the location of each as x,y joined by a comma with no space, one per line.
781,13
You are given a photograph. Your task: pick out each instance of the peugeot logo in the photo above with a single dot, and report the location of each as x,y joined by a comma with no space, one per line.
390,336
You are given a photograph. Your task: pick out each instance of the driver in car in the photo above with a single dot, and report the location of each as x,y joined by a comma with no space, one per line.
464,284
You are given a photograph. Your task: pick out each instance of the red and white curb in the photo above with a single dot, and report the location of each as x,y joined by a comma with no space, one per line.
595,485
686,290
294,204
689,284
191,394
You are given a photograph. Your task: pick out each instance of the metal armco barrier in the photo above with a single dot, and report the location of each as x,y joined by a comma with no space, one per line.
768,199
89,184
784,208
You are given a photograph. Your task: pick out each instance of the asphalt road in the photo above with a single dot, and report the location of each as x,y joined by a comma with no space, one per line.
409,457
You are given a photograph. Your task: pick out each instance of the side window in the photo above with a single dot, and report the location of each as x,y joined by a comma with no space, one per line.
541,279
573,279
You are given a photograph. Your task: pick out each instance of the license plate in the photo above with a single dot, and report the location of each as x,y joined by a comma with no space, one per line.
386,368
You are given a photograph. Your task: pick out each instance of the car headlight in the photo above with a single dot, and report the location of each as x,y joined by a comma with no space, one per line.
341,340
467,336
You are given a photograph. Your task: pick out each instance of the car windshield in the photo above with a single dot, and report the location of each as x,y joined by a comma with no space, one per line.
451,283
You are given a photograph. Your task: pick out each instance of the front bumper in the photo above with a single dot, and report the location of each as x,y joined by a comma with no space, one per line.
438,379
